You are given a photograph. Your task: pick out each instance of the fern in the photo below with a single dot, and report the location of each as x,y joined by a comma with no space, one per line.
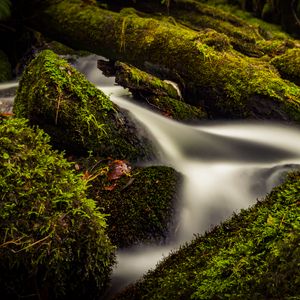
4,9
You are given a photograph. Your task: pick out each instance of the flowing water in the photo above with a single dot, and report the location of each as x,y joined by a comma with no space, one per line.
226,167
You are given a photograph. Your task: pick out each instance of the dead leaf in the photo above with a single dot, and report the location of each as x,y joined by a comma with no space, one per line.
118,168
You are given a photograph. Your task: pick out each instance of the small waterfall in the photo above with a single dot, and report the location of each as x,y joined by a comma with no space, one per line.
226,167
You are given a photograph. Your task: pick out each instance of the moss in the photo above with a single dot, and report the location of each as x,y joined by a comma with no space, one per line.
51,233
227,27
140,201
143,210
214,39
159,95
5,68
288,65
226,83
78,117
175,109
275,47
253,255
137,80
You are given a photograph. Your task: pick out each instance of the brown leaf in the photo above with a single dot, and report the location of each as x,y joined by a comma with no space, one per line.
118,168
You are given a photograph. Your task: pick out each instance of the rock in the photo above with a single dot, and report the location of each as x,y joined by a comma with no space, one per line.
51,234
78,117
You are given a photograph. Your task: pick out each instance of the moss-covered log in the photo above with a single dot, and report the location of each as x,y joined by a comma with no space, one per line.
5,68
53,243
159,95
78,117
254,255
225,82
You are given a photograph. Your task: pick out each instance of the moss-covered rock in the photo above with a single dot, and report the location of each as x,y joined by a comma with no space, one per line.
53,243
78,117
5,68
140,202
254,255
288,65
159,95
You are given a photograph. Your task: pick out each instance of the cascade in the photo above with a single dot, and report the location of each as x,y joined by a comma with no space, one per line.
226,166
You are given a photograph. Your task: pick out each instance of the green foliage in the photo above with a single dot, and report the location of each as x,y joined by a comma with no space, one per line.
253,255
53,237
5,12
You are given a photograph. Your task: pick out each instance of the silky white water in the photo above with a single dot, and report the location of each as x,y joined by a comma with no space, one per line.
226,166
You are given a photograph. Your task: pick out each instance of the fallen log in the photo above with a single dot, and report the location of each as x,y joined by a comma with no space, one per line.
226,83
158,95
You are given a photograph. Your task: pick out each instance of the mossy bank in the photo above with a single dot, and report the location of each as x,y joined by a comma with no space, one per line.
253,255
53,241
78,117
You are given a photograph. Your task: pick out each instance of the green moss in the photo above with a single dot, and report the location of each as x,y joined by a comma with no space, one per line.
5,68
275,47
175,109
78,117
227,84
247,34
51,233
140,203
159,95
250,88
137,80
228,28
254,255
288,65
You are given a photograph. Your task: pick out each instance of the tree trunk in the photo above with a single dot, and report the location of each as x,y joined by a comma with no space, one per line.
226,83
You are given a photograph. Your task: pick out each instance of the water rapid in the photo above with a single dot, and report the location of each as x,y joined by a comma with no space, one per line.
226,167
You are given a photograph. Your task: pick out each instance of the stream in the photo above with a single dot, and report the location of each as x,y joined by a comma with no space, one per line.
226,166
